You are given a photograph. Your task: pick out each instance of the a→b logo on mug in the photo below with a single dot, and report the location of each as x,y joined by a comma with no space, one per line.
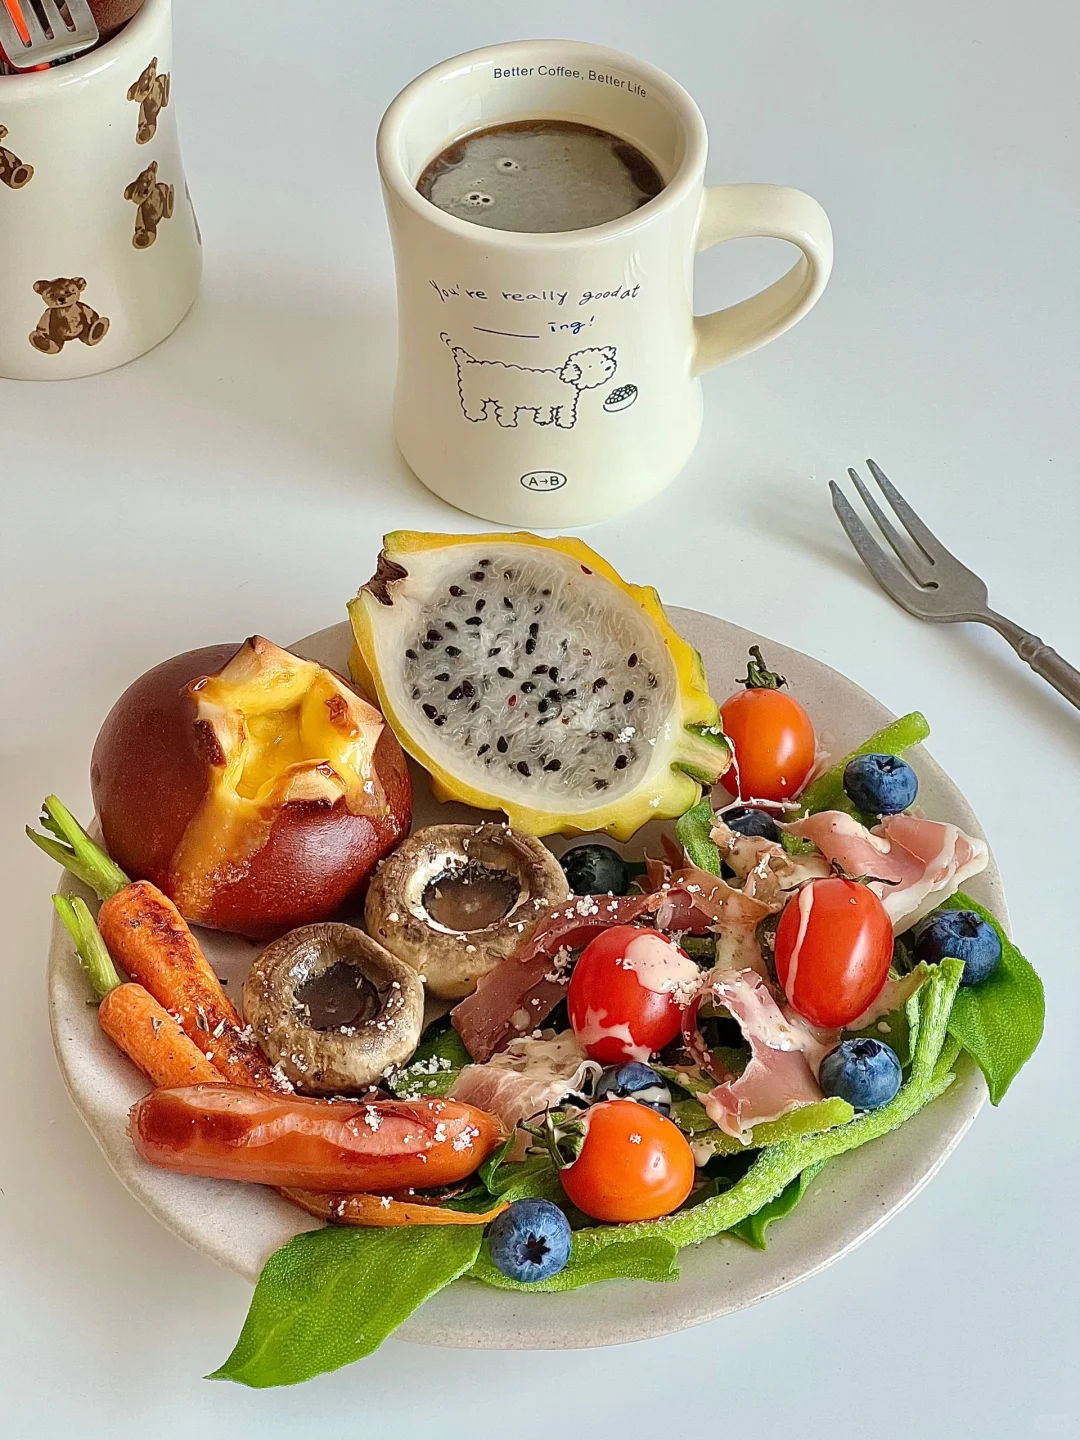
542,481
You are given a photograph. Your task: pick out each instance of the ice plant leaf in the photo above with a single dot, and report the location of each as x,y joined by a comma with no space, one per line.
827,791
753,1228
642,1259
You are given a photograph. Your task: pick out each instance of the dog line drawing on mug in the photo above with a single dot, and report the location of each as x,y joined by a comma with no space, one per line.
551,394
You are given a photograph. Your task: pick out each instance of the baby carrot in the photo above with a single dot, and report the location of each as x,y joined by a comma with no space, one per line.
151,1039
148,938
383,1211
128,1014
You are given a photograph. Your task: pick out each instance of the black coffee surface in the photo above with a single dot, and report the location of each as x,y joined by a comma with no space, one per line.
539,176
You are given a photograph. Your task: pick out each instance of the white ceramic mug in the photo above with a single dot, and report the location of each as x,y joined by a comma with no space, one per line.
100,254
547,380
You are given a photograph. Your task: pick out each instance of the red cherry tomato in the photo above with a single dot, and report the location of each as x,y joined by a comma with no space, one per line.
834,945
771,734
635,1164
623,999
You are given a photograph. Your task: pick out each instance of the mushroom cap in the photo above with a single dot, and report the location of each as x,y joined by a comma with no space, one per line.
347,1057
452,961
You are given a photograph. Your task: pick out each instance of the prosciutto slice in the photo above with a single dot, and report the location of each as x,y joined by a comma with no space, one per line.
784,1055
764,869
919,862
529,1076
520,993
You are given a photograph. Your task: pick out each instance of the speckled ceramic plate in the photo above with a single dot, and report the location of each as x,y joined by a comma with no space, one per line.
241,1225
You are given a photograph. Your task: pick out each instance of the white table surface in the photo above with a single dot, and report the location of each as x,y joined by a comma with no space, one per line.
238,479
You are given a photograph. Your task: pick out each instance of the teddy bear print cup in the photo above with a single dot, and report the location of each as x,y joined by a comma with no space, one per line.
100,255
548,375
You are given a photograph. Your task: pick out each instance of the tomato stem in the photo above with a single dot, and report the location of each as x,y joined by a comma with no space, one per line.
758,675
562,1138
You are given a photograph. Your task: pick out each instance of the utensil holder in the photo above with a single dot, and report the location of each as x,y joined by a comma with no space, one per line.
100,251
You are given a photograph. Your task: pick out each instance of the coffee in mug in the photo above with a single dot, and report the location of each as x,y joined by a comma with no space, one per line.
540,176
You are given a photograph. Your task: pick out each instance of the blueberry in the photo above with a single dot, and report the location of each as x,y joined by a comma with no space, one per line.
635,1081
865,1073
880,784
745,820
595,870
530,1241
963,935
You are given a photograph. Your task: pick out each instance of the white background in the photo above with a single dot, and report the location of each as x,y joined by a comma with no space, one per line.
238,479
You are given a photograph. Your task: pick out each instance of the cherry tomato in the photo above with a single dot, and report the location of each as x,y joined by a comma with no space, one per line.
834,945
623,997
771,734
635,1164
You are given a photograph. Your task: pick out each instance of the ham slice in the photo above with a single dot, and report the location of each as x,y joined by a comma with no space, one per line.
919,862
528,1077
784,1055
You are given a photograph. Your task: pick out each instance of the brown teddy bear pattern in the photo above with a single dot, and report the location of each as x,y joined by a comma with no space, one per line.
66,317
155,201
13,172
151,91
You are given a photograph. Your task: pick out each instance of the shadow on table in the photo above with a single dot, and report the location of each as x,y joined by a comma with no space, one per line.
249,382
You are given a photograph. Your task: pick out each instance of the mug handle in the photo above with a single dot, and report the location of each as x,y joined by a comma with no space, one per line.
736,212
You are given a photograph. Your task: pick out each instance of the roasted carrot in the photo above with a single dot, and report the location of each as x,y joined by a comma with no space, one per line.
129,1014
148,938
382,1211
151,1038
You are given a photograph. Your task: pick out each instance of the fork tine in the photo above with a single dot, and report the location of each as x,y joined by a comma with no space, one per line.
885,571
913,561
57,24
924,538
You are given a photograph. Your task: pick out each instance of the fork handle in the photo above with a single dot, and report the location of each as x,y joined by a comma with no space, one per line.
1042,658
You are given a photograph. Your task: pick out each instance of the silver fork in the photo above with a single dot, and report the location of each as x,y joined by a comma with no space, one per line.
54,34
931,583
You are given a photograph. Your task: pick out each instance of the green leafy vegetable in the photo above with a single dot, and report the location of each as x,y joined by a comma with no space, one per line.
827,791
806,1120
753,1228
797,845
331,1296
434,1067
692,833
999,1022
649,1258
777,1165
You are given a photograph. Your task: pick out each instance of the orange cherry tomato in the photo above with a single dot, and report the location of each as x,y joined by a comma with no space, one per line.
772,737
834,945
635,1164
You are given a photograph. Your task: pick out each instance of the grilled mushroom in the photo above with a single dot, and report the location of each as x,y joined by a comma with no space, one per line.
333,1008
454,900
